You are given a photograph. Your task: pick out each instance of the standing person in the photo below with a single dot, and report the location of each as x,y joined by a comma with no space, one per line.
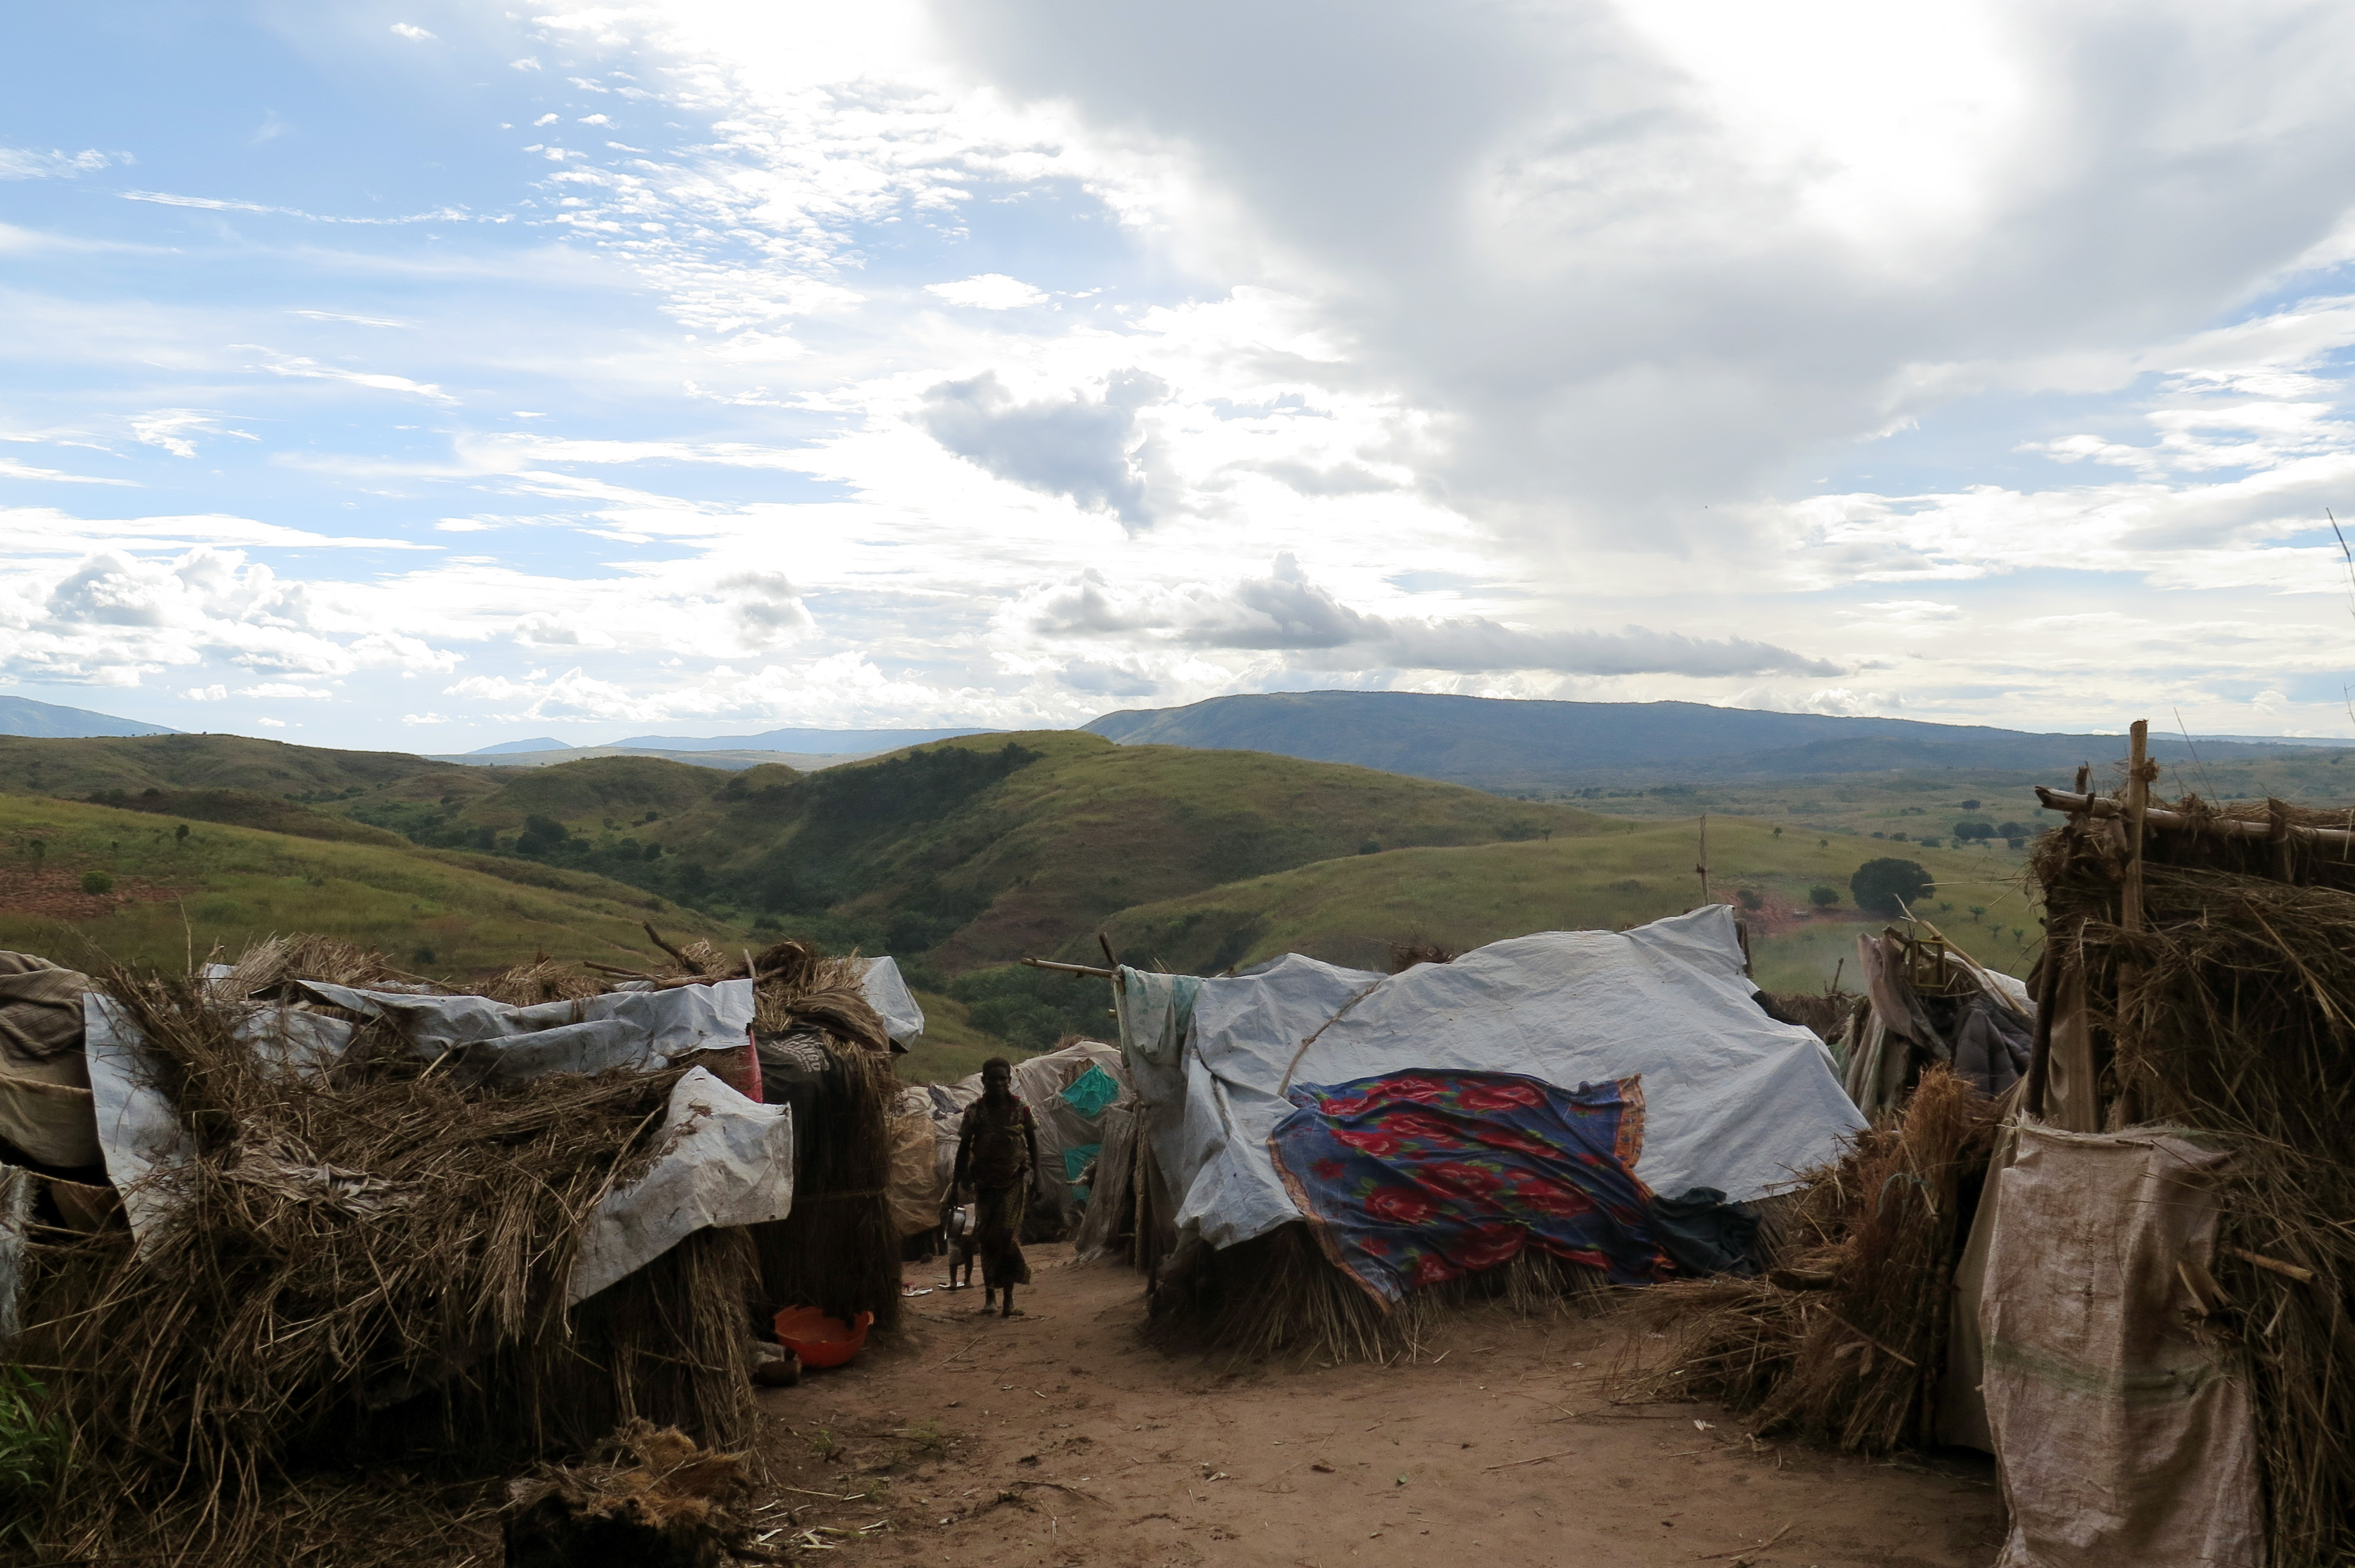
997,1150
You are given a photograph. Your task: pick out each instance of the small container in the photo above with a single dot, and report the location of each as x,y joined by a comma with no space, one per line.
821,1341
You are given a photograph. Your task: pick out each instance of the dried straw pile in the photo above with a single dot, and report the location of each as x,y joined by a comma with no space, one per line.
341,1245
2232,1012
1844,1340
1278,1294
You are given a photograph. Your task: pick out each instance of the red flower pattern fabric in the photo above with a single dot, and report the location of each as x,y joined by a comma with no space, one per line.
1421,1178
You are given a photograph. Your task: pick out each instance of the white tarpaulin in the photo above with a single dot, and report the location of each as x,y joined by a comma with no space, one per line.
726,1161
614,1029
1733,1100
887,993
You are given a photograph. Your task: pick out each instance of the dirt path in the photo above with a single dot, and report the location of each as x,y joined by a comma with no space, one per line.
1058,1437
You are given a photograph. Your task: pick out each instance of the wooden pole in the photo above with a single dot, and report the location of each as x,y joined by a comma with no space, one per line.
1703,867
2138,813
1070,969
2160,817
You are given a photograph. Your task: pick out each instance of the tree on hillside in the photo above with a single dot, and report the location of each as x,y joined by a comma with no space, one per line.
1823,897
1880,887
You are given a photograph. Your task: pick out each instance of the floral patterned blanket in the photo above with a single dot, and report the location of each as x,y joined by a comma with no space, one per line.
1416,1177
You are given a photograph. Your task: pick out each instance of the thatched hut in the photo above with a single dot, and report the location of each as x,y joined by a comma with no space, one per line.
348,1212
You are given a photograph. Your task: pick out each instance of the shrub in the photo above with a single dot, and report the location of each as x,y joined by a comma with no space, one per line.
1823,897
420,953
1371,846
34,1451
1881,886
1750,899
97,881
1969,805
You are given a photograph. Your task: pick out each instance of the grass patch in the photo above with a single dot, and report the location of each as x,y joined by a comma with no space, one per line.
168,894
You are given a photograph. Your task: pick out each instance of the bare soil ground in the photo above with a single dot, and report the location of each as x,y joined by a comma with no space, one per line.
1061,1438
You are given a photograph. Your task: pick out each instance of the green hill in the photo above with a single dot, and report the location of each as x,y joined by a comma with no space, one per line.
32,766
972,851
84,883
1348,911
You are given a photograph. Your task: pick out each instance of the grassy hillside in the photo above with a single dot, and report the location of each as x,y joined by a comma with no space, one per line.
1348,911
304,773
82,883
972,850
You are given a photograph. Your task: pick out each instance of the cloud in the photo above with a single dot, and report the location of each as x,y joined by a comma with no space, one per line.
1080,447
358,320
170,430
1286,612
311,369
32,164
415,34
13,469
1631,260
989,291
1838,702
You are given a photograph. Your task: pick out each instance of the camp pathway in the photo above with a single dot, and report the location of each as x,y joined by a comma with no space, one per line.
1059,1437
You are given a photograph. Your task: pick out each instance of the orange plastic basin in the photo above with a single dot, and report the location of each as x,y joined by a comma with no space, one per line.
821,1341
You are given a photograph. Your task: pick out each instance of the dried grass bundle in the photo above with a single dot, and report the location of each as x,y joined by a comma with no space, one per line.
271,962
839,1250
542,980
1844,1340
1278,1294
342,1245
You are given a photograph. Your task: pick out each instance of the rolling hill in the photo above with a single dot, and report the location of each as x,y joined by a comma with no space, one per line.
85,883
1519,746
1349,911
972,851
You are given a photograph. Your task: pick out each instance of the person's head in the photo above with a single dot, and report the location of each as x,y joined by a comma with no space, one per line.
997,1078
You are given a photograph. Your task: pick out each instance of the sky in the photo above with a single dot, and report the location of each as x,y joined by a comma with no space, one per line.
426,375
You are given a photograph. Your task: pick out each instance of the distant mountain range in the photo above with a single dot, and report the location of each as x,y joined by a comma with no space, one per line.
23,716
1499,744
816,741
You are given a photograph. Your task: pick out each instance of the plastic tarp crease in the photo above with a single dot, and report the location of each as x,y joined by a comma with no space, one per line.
665,1023
1736,1101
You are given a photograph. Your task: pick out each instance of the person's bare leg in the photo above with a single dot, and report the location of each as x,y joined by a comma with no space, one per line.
1009,1301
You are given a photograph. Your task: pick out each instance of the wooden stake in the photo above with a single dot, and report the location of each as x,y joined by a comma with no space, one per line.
1703,867
2137,808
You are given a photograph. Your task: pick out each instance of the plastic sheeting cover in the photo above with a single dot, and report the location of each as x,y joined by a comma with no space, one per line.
887,993
646,1028
1734,1100
728,1160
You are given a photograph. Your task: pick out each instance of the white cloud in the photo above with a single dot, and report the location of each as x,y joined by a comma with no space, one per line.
415,34
358,320
311,369
11,468
172,429
1286,612
988,291
33,163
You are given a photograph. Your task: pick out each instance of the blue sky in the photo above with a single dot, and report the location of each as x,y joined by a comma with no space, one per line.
425,375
